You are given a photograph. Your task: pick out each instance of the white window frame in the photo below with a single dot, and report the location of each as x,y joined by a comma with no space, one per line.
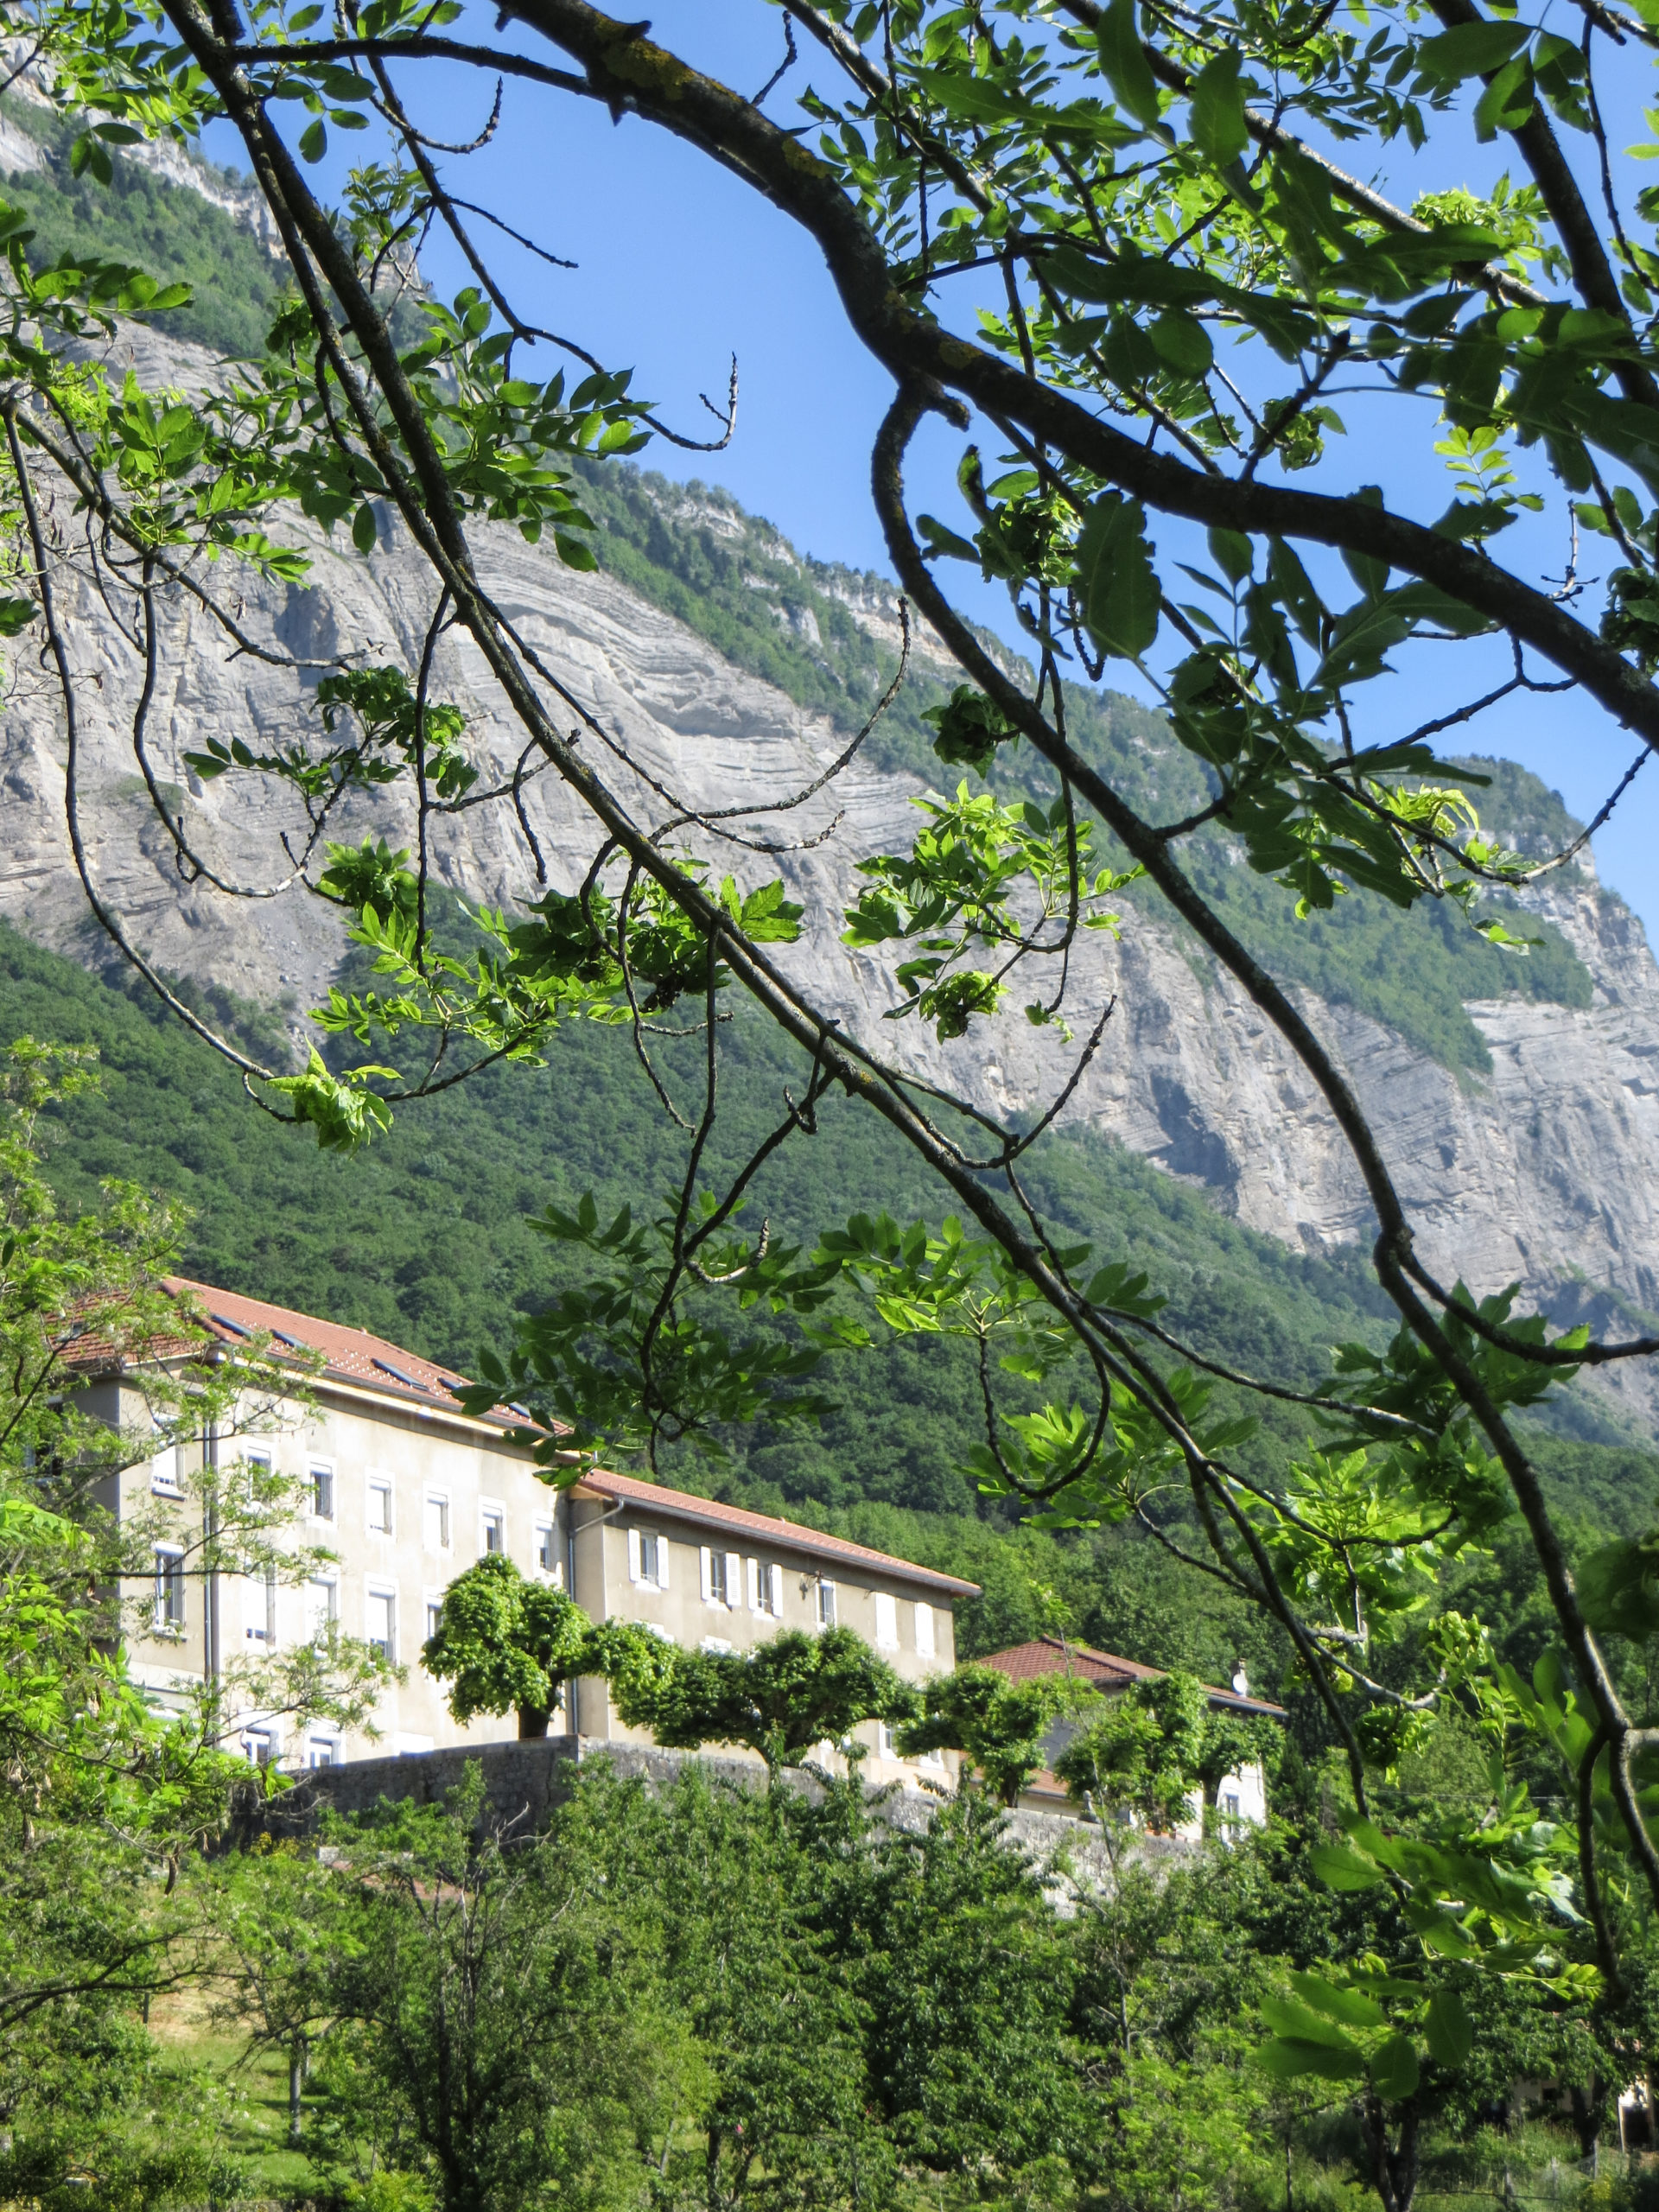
266,1586
722,1586
547,1543
926,1634
827,1603
326,1469
164,1478
654,1577
169,1585
261,1744
321,1752
379,1486
260,1458
377,1593
886,1620
766,1588
440,1498
431,1613
492,1513
329,1612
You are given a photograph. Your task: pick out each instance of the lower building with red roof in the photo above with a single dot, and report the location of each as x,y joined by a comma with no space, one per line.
1241,1797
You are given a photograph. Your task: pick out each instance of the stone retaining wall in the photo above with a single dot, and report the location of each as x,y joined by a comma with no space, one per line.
527,1781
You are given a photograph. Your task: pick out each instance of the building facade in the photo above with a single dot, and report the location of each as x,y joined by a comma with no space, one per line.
401,1489
1241,1798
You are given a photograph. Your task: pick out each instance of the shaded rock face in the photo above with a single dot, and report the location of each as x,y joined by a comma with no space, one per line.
1541,1172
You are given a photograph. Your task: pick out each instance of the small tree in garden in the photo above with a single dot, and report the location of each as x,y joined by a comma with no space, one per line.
505,1644
778,1700
1150,1748
997,1724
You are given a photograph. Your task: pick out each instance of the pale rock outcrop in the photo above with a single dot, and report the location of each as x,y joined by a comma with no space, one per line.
1542,1171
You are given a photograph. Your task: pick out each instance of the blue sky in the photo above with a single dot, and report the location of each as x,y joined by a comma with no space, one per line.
680,266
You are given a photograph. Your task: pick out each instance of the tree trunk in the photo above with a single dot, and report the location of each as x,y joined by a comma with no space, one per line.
532,1722
1394,2165
296,2057
1587,2116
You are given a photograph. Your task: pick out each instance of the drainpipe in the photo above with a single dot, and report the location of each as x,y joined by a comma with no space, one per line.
210,1585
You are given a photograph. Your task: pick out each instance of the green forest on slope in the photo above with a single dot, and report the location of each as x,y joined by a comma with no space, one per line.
425,1238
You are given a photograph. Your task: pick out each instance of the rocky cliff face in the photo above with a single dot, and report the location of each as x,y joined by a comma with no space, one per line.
1543,1170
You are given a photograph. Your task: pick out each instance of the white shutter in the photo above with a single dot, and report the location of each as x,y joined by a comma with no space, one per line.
754,1584
886,1621
923,1629
734,1579
633,1555
776,1592
661,1562
708,1577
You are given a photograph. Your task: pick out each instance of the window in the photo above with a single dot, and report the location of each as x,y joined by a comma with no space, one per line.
434,1617
436,1524
164,1473
382,1624
1230,1806
765,1588
321,1751
256,1468
925,1631
323,1493
380,1506
260,1608
885,1746
721,1577
322,1607
492,1521
259,1746
547,1549
826,1605
169,1589
886,1621
648,1560
719,1645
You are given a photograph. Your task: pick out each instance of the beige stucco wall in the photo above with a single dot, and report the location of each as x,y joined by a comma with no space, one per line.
361,1439
606,1586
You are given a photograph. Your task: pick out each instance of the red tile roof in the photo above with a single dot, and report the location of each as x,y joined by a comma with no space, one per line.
625,1489
348,1355
354,1355
1048,1656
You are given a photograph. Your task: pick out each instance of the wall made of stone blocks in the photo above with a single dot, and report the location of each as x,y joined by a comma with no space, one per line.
525,1781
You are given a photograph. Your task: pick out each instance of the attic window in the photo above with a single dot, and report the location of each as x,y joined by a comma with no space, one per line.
281,1336
225,1322
396,1373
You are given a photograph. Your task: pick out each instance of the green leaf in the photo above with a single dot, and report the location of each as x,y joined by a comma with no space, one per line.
1287,2017
1451,2036
1116,583
1218,120
16,614
1232,553
1471,50
1285,2058
314,141
1351,2006
573,552
1123,62
1394,2068
365,536
1618,1587
1182,341
1342,1869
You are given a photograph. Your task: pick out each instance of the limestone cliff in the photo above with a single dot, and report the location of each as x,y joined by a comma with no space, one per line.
1542,1169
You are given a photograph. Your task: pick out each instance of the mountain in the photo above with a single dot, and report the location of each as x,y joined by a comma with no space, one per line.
1513,1095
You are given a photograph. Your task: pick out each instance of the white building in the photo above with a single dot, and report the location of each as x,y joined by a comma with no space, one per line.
402,1489
1241,1797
